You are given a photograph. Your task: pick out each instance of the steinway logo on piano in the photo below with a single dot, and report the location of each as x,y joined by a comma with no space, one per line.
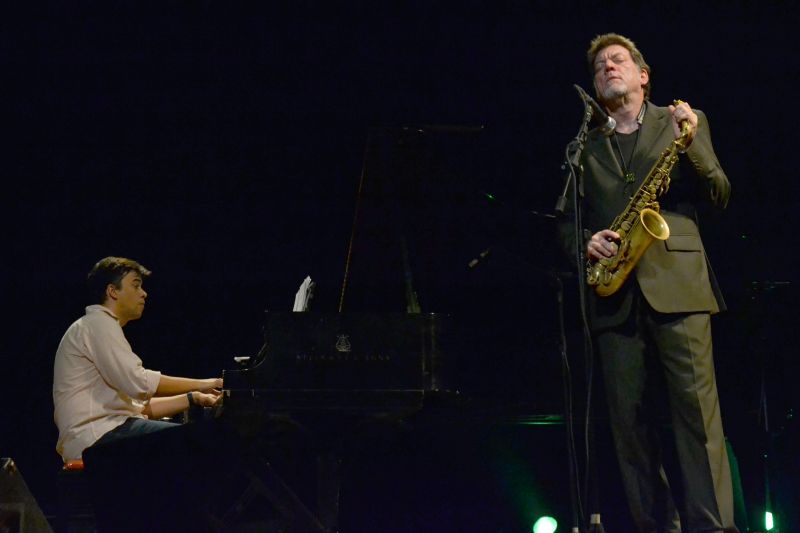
343,344
343,354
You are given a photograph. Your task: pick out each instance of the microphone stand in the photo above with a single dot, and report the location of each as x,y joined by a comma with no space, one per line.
573,184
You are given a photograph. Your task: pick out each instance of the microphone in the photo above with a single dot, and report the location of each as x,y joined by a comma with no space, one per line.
608,122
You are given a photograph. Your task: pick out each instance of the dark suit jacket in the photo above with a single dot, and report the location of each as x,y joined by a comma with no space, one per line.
674,275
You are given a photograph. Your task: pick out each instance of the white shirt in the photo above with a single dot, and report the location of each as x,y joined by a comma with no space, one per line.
98,382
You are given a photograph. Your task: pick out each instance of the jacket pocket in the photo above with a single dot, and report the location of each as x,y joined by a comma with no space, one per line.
684,243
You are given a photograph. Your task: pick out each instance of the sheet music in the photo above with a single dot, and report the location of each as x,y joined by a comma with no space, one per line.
304,294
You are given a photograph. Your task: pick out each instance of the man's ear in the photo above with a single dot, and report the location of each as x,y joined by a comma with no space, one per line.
111,292
644,77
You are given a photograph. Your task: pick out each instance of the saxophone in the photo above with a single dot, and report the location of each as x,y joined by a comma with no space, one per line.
639,224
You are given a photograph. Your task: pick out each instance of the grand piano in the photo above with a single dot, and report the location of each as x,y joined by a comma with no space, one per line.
447,287
439,305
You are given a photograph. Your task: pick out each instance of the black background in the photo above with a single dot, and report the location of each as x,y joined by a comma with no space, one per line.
221,144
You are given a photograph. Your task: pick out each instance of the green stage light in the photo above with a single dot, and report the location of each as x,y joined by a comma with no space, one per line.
545,524
769,522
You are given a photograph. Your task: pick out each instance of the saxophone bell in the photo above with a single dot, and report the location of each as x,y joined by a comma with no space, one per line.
608,276
654,224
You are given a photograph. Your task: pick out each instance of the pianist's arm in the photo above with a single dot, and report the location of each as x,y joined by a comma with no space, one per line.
172,386
167,406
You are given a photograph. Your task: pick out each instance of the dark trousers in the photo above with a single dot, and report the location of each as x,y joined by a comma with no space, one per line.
133,427
679,346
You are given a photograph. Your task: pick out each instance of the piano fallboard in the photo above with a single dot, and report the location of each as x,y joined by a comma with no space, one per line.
358,354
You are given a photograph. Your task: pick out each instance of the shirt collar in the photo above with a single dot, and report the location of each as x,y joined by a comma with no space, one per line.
640,116
96,308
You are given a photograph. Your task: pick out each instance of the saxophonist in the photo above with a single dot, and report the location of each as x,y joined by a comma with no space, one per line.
659,320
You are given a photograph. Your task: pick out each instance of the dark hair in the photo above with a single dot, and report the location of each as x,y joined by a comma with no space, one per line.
607,39
110,270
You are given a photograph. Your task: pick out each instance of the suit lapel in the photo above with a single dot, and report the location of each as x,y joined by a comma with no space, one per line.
653,135
656,131
599,148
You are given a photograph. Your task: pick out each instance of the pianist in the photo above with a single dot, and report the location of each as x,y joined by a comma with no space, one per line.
101,391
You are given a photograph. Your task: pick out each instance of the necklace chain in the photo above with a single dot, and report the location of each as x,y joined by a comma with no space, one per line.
629,176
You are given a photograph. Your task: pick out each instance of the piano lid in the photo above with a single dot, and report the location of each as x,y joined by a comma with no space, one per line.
431,201
412,189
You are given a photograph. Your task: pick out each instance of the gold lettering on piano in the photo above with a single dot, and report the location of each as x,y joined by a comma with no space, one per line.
342,358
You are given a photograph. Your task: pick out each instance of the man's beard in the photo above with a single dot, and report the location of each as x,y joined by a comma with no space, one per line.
614,92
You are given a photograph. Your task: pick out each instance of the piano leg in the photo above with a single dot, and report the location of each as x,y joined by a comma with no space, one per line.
328,486
264,481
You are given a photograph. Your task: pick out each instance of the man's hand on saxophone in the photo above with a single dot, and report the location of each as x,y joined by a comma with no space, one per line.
603,244
680,112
